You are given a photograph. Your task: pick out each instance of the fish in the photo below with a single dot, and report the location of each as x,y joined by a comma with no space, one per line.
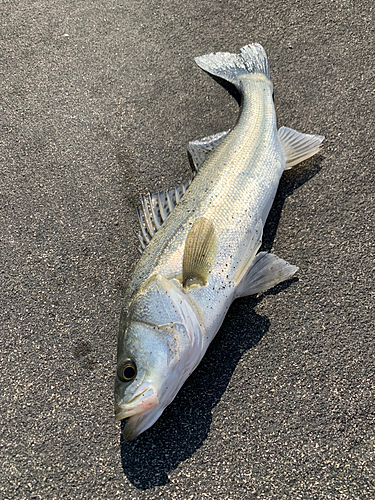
200,242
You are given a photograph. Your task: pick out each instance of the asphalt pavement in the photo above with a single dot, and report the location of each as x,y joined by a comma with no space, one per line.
98,103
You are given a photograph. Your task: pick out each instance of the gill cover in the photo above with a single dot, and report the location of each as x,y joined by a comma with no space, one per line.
163,303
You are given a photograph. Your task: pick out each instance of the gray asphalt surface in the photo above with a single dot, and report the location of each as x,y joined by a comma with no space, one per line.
98,103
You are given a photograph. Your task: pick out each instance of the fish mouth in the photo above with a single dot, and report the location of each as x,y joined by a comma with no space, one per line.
144,398
140,422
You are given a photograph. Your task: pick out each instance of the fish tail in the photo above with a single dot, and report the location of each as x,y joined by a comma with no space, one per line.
251,59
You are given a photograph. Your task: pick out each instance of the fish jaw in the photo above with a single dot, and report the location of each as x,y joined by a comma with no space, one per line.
139,423
130,431
142,401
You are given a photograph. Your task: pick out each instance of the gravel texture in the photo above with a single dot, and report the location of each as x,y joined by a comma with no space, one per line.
98,102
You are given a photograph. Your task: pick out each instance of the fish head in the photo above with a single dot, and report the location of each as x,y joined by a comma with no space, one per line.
159,346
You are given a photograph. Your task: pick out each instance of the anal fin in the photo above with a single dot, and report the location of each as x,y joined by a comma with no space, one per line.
297,146
199,253
266,271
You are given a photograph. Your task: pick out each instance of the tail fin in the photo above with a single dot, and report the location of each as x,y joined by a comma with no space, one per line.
251,59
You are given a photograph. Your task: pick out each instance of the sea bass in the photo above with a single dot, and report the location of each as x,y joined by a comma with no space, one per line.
200,243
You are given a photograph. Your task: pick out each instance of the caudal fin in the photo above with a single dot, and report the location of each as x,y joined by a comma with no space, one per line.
251,59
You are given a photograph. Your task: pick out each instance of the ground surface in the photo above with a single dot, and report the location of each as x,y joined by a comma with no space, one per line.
99,100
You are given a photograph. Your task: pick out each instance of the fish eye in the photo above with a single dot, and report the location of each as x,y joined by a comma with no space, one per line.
128,370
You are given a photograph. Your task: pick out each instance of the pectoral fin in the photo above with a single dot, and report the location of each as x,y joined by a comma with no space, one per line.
297,146
266,271
200,253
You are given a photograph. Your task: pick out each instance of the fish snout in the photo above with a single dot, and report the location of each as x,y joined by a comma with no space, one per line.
141,401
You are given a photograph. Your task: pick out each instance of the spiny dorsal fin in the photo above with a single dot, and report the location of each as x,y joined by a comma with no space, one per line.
200,253
201,148
155,209
298,146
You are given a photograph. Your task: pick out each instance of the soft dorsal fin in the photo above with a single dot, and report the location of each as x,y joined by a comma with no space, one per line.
155,209
199,253
201,148
297,146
